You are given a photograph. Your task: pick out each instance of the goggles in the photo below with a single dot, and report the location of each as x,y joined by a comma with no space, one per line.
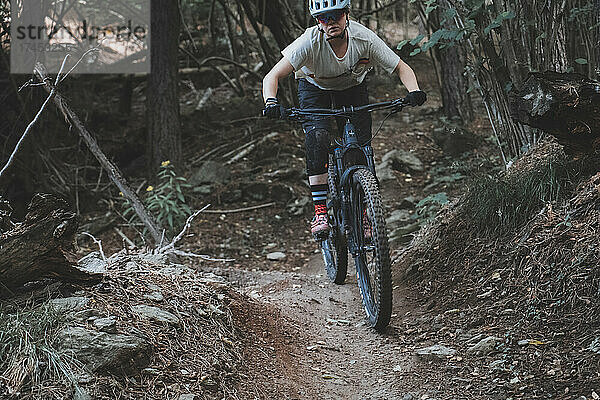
331,16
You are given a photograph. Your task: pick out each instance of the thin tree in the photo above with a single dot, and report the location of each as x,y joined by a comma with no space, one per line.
164,131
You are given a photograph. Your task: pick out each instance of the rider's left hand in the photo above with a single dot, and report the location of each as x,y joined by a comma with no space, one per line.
416,98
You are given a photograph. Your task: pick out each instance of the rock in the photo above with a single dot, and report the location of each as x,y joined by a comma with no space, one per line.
397,217
402,160
281,193
385,171
155,314
105,352
454,139
403,234
154,259
187,396
93,263
276,256
435,352
86,315
108,325
256,191
210,172
298,206
68,304
408,203
155,296
203,189
408,396
484,346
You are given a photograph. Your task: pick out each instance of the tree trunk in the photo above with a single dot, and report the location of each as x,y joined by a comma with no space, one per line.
164,131
456,100
567,106
42,246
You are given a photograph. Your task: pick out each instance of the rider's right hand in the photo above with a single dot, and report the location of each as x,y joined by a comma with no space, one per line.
273,109
416,98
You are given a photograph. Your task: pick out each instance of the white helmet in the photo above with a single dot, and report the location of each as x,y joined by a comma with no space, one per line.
317,7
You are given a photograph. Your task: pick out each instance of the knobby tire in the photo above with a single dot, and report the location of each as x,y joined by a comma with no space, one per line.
335,248
373,266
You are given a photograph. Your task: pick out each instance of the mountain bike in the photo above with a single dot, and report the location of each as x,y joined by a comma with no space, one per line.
355,212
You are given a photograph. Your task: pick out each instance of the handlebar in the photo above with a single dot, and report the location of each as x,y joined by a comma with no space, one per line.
346,111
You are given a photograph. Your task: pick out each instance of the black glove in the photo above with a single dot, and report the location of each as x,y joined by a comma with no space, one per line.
416,98
273,109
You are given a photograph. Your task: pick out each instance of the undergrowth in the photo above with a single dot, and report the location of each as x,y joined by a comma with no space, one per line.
28,356
502,203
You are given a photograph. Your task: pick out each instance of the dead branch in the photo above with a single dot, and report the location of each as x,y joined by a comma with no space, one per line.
177,238
114,173
249,149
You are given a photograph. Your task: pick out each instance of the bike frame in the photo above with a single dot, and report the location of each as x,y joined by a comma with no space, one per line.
344,179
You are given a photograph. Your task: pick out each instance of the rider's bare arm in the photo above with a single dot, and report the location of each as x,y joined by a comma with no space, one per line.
407,76
270,82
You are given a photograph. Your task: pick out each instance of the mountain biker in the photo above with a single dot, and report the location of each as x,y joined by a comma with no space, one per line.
330,61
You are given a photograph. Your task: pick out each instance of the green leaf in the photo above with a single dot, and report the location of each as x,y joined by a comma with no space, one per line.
429,9
402,44
417,40
581,61
433,40
448,15
170,219
415,52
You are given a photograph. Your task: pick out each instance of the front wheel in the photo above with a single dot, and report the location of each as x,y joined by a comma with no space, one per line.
373,265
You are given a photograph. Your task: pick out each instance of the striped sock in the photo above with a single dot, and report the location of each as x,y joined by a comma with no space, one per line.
319,195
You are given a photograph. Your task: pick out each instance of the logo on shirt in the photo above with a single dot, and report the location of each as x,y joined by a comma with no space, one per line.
362,65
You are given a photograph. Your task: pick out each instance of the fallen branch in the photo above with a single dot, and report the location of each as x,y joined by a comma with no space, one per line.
237,210
90,141
125,238
99,243
250,148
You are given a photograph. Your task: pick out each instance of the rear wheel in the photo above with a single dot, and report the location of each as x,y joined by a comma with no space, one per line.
373,265
334,248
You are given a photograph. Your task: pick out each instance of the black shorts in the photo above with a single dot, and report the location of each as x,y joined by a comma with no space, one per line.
311,96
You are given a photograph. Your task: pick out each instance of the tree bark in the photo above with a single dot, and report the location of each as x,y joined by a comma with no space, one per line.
567,106
456,100
42,246
164,131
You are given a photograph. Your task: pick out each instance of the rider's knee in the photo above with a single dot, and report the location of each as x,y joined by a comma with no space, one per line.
317,138
317,151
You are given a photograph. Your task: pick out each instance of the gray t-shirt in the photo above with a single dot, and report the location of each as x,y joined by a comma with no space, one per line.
313,58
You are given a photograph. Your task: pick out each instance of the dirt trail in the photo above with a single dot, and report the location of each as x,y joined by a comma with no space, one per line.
337,356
